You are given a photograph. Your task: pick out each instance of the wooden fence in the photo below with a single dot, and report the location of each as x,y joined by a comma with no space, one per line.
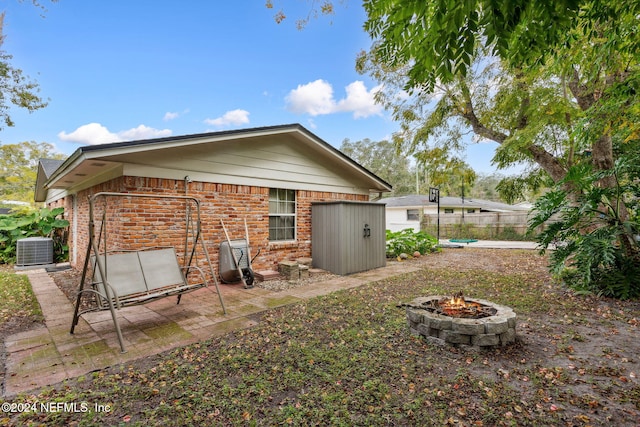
486,225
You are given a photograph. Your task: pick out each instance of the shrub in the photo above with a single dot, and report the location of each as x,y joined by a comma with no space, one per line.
42,223
596,234
408,241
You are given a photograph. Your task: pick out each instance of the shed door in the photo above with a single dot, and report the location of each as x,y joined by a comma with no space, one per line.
366,242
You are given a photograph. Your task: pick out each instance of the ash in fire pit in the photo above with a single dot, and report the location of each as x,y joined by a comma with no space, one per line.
461,321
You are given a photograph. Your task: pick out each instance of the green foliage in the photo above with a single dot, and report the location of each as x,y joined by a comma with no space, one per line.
19,166
42,223
408,241
451,175
384,159
472,231
439,38
526,187
493,104
596,236
510,234
15,88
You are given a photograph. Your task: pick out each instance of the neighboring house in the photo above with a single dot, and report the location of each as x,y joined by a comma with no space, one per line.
267,176
6,210
406,211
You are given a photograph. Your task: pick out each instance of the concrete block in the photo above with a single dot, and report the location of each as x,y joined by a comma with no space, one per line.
455,338
508,337
468,327
485,340
289,269
496,325
304,271
415,315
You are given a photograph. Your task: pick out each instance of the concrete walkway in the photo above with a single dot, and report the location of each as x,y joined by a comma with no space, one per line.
494,244
50,354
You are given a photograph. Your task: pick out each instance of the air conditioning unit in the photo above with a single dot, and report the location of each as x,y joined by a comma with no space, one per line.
34,251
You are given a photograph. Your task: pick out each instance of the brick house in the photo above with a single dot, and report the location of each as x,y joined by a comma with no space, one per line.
268,176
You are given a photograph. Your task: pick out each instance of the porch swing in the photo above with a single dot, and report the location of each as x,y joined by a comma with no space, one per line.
113,278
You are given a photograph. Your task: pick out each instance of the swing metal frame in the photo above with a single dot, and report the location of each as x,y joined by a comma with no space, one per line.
123,278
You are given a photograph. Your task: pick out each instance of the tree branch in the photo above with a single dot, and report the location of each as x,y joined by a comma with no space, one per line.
542,157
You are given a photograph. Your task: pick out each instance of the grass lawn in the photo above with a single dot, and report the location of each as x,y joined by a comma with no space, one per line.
348,359
18,305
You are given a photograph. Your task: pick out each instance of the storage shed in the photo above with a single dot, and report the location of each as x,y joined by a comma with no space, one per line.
347,237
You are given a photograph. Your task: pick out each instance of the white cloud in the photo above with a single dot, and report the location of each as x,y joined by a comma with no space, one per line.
170,116
316,98
360,100
312,124
92,134
233,117
143,132
95,134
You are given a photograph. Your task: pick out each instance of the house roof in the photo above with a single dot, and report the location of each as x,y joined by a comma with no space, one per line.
88,163
46,168
417,201
49,166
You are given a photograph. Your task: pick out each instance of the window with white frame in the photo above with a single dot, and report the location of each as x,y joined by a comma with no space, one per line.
282,214
413,215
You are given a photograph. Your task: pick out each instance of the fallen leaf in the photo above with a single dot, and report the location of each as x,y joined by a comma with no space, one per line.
582,418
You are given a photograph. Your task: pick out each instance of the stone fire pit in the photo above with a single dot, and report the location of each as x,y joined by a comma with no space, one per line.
496,329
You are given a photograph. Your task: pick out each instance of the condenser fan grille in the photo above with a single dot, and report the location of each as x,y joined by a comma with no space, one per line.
34,251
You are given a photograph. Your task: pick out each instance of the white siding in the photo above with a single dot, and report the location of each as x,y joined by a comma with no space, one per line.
267,164
396,220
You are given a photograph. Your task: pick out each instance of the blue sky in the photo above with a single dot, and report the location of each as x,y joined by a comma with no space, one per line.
125,70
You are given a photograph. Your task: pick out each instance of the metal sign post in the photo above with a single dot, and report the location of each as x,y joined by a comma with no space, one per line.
434,197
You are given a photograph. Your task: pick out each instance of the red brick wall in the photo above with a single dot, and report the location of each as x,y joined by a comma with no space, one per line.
137,223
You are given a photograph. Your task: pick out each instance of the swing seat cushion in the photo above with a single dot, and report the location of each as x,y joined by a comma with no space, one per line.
161,269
